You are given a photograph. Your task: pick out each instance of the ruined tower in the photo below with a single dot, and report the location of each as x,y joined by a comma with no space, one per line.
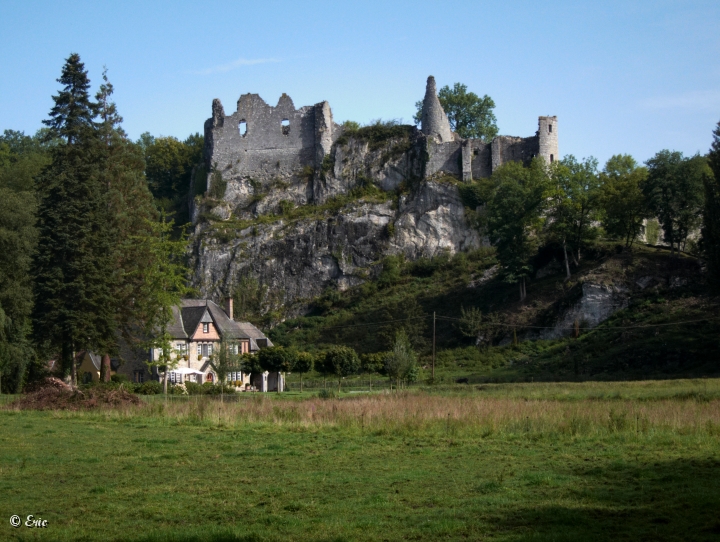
434,120
548,139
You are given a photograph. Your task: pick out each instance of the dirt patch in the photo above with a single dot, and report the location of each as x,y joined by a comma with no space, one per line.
54,394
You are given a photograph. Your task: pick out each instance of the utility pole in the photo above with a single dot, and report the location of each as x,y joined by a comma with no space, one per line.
433,358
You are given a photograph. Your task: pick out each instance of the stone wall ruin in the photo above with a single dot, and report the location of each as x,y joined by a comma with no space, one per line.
259,147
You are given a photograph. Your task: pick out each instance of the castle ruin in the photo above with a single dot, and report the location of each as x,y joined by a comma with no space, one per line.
259,142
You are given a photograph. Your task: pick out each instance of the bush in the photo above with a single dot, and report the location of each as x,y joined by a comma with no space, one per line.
326,394
119,378
193,388
151,387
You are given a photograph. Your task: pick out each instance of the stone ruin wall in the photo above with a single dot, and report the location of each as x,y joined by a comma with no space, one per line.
269,153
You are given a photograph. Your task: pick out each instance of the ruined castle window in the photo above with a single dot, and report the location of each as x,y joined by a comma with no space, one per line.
476,152
242,127
550,128
552,158
285,126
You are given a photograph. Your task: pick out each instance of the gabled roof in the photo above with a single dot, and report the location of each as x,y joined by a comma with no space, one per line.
193,312
191,318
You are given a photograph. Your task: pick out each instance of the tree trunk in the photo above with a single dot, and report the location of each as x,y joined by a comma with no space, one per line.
105,368
521,290
567,262
339,386
300,382
165,375
73,378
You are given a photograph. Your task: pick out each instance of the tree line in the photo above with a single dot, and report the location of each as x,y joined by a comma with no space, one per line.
91,225
570,203
337,362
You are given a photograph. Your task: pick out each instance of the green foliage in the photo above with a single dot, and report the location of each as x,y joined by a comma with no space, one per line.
224,360
622,199
73,274
164,284
218,185
340,361
277,359
21,159
326,394
304,363
711,213
401,361
652,231
573,204
151,387
373,362
470,116
674,193
377,133
515,216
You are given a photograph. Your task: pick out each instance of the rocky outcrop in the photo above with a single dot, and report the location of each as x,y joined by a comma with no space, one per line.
341,249
596,303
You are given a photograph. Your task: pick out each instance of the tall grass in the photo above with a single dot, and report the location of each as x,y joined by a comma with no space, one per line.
431,414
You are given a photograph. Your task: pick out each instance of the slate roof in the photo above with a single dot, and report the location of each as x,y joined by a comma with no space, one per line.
192,312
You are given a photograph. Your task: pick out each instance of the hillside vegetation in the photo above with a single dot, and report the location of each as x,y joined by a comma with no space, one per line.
647,339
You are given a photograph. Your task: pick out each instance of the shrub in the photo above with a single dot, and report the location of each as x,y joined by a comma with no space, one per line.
326,394
193,388
119,378
151,387
217,186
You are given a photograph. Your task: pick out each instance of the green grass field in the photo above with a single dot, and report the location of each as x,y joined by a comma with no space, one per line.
595,461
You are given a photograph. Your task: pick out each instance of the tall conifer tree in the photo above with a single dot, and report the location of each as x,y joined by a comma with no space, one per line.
74,306
711,215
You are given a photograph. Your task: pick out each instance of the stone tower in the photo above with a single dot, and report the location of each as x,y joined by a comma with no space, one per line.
548,139
434,120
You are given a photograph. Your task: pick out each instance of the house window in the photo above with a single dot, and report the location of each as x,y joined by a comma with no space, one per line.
204,350
199,349
138,376
210,350
206,328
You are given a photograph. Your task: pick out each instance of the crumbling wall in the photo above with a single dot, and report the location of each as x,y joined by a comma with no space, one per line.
513,149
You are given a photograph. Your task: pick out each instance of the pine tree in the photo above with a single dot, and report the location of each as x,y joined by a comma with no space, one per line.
74,305
711,215
131,211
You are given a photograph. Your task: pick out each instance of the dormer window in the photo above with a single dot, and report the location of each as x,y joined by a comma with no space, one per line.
206,328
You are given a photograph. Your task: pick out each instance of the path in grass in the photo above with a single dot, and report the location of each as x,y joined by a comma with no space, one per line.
157,478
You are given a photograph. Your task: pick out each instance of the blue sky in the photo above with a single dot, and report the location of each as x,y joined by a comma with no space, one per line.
622,77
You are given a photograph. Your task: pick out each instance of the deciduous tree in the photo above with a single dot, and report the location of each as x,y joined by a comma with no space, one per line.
623,203
470,116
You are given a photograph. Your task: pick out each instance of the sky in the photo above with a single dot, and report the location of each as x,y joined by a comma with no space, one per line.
631,77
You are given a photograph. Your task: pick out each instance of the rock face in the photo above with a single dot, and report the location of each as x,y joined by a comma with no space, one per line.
300,203
596,304
341,249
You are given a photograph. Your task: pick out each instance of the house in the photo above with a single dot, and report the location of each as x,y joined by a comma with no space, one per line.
89,366
197,328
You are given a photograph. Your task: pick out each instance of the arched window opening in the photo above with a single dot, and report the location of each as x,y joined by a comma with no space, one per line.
285,126
242,127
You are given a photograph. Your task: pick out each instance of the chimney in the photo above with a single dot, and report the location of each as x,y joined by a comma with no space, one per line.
229,308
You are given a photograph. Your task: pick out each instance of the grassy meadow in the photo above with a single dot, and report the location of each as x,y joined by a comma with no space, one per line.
534,461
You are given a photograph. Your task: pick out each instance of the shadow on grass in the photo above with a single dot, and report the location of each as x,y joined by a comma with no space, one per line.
675,500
